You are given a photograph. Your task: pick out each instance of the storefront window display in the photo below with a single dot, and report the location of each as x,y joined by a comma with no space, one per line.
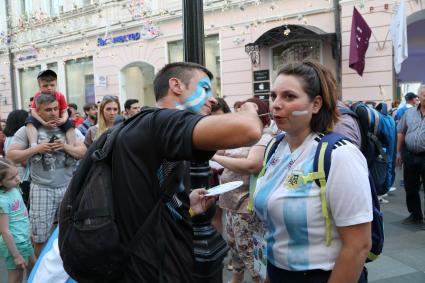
28,84
80,81
212,57
137,82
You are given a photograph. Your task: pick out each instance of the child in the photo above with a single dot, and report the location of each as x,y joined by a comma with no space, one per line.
47,83
15,243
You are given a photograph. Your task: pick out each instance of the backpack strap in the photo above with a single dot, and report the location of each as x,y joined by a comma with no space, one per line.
321,167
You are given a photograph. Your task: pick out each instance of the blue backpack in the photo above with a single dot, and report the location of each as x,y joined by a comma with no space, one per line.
321,166
379,139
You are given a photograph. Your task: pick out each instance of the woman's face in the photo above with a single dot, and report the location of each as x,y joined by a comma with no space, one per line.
291,107
110,112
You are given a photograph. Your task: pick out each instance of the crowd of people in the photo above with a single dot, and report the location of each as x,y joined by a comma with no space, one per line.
189,130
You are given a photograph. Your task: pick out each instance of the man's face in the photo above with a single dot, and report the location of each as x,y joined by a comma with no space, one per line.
198,96
133,110
92,113
47,87
48,111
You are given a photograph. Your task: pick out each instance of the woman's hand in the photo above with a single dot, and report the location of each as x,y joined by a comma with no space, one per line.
199,202
19,262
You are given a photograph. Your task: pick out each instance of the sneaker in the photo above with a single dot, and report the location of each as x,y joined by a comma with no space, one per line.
382,200
392,189
412,220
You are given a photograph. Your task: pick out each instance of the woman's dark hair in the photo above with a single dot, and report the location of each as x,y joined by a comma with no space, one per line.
15,120
221,105
263,110
317,80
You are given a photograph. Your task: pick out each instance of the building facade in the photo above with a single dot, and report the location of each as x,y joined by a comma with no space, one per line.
101,47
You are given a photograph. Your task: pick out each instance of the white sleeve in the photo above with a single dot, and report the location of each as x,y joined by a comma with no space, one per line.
348,189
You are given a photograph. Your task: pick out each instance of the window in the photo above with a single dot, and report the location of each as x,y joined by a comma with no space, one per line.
56,7
295,51
28,84
137,82
212,57
26,8
80,81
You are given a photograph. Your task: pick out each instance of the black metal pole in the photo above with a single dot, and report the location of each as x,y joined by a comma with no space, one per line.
11,55
193,31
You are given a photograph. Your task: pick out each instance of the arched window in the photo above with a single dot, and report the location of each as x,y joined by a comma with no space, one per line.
137,82
295,51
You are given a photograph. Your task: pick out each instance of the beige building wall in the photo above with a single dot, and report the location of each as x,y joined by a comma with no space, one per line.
378,80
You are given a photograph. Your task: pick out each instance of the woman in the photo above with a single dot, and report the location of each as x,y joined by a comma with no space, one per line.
304,105
238,164
109,109
16,120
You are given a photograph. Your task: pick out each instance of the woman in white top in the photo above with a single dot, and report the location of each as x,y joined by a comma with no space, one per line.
108,111
303,104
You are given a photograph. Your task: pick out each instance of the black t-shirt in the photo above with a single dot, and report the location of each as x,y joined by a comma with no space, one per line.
153,136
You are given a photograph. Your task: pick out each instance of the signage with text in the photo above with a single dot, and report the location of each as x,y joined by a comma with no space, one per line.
118,39
262,87
261,75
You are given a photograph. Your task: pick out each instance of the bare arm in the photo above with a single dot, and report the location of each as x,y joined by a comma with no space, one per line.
9,241
77,151
356,243
18,153
36,116
233,130
252,164
400,143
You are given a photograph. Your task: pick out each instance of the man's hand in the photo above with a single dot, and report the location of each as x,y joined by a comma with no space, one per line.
399,160
20,262
58,144
44,148
249,106
199,202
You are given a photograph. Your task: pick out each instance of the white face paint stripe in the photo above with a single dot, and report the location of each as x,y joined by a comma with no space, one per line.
300,113
196,101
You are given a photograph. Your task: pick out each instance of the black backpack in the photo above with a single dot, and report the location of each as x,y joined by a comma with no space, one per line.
89,240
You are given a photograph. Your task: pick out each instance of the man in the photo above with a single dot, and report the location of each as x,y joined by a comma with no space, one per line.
90,110
50,176
131,107
411,152
150,142
411,101
75,116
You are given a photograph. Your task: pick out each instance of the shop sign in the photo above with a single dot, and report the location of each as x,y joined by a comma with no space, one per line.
28,57
261,75
118,39
262,87
264,97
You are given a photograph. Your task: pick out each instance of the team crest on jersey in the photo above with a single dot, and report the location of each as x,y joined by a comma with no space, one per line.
294,180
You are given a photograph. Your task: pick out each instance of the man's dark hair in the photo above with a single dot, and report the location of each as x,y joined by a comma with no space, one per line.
180,70
129,102
89,106
14,121
73,105
44,98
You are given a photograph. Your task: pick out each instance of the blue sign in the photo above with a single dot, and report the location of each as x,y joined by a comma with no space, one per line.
33,56
118,39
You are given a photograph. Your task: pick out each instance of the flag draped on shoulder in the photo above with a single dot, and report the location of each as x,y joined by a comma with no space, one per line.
398,30
359,42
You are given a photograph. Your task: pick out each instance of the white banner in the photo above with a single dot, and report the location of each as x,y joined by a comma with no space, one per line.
398,30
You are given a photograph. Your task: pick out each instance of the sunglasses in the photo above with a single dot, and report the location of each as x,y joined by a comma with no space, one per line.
110,97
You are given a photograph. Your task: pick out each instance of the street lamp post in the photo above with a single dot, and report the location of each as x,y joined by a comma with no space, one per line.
209,246
193,31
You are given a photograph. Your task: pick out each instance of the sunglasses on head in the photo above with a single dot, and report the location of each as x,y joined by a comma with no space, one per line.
110,97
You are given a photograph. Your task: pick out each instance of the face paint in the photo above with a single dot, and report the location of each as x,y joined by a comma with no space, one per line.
196,101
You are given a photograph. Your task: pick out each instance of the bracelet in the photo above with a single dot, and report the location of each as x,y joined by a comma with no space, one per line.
191,213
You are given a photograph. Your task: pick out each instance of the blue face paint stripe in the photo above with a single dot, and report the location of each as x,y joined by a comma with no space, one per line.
199,97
